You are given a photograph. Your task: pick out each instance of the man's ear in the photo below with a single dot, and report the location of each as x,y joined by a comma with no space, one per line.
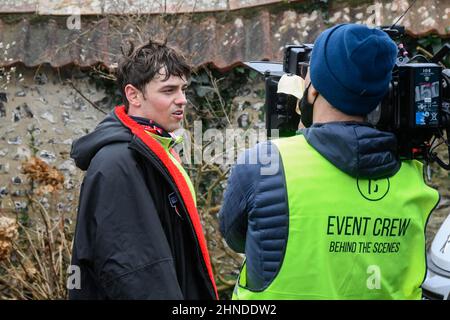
312,93
133,95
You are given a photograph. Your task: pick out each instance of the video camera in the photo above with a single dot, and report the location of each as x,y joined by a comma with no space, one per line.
416,108
280,107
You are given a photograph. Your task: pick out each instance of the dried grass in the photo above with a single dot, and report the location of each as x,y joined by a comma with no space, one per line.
34,256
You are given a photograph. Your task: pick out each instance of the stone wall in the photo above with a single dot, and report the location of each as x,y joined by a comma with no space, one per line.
41,113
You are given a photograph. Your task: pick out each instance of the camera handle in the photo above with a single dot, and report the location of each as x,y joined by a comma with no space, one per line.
441,53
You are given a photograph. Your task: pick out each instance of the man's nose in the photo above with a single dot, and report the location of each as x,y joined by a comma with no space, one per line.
181,99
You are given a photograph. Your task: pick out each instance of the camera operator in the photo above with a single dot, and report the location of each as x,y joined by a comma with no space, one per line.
342,217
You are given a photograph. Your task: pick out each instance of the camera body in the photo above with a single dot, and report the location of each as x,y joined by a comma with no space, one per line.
280,107
416,107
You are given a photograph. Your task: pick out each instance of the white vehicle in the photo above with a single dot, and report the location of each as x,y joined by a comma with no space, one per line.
437,282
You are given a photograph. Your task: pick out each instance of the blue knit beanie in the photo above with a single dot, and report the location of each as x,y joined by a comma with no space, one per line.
351,67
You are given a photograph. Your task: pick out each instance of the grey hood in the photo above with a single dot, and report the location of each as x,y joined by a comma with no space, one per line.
358,149
110,130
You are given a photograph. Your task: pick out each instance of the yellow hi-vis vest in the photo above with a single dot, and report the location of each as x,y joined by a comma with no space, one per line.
348,238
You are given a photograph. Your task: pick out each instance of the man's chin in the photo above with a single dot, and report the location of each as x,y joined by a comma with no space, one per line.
174,126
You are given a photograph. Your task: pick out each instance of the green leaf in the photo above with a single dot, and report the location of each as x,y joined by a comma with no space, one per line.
202,91
253,74
424,42
200,78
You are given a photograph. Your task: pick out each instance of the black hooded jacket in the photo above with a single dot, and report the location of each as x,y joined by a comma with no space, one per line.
130,243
